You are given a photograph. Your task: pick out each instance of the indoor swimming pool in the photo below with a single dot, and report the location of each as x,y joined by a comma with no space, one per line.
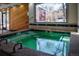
54,43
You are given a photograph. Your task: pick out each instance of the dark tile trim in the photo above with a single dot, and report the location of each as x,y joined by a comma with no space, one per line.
63,25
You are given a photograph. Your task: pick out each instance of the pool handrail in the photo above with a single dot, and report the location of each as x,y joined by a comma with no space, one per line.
14,48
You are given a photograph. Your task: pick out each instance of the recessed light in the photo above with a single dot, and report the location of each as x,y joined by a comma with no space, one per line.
21,5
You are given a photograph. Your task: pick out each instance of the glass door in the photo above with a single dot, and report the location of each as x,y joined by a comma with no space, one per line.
4,20
0,20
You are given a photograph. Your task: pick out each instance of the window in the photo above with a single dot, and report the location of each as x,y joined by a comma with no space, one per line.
53,12
0,20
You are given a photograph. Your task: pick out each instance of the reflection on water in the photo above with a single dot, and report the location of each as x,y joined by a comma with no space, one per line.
51,46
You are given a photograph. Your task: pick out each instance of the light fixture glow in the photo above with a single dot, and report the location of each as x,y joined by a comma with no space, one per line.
21,5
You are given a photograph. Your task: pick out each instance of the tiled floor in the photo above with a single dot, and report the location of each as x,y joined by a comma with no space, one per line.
3,54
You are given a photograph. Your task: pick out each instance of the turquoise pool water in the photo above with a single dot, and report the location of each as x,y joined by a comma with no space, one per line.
54,43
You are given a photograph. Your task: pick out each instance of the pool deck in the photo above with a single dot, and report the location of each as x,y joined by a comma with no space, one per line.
12,32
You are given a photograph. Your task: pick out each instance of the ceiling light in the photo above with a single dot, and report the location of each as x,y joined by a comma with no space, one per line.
21,5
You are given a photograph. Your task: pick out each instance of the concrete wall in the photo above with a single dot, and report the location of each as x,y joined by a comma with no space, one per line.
72,13
31,13
78,17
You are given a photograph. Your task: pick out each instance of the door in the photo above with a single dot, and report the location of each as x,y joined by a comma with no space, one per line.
0,20
4,20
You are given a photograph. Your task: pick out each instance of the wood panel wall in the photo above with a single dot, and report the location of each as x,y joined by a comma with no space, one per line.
19,18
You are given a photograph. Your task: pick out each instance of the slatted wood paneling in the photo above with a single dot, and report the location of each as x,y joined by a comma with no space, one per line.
19,17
